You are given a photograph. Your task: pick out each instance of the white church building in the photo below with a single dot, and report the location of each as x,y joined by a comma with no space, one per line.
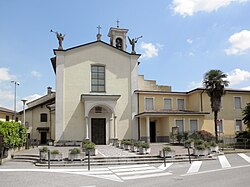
95,90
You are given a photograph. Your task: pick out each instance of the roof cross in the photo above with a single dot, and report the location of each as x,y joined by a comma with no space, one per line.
99,29
117,23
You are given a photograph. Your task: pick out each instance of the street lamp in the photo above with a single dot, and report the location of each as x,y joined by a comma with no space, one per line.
24,101
16,83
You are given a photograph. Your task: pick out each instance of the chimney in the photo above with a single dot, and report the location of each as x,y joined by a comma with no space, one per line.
49,90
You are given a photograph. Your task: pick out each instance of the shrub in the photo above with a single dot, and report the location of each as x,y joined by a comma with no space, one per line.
198,142
167,149
74,151
54,152
243,134
89,145
85,142
145,145
127,142
179,137
189,141
185,135
207,144
200,147
44,149
213,144
204,135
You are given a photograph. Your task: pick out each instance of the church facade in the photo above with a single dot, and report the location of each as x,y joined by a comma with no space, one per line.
95,90
100,96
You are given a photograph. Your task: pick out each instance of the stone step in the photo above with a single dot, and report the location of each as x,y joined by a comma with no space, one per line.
24,155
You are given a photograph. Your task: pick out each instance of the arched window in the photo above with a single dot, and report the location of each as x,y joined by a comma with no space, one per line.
43,117
118,42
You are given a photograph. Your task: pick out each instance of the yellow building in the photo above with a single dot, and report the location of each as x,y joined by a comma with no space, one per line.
8,115
162,110
100,97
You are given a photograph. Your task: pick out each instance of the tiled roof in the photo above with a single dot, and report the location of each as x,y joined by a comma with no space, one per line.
2,109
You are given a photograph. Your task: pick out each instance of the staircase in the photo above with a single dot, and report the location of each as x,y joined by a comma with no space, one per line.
26,158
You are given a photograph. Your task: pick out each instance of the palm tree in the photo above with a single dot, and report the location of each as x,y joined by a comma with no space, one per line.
214,82
246,115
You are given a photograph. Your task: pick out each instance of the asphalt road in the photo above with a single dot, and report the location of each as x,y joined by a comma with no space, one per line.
230,171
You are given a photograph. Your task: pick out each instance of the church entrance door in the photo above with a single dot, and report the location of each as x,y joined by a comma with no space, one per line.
43,138
98,131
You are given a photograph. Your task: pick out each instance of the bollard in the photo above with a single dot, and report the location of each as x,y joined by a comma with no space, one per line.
88,159
189,155
164,157
48,159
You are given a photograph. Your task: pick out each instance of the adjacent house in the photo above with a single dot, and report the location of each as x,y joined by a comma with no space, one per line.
8,115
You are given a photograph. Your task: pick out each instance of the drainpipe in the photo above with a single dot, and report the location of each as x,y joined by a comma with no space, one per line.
139,119
202,100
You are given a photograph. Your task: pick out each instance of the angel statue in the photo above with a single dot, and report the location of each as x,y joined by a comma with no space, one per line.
133,42
60,38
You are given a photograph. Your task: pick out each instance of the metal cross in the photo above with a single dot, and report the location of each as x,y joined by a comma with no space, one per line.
117,23
99,29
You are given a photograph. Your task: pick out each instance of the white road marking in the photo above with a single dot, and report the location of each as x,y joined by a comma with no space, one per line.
139,172
195,166
224,162
145,176
102,153
162,167
245,157
215,170
129,166
133,169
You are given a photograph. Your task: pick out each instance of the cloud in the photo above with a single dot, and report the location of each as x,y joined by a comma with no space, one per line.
6,95
246,88
32,97
194,84
235,77
189,7
36,74
150,50
190,41
5,75
191,54
29,98
238,76
240,43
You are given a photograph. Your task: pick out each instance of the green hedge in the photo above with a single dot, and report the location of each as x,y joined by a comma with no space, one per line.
14,134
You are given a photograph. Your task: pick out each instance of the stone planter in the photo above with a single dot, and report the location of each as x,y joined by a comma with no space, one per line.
126,147
57,157
214,149
118,144
78,156
168,154
133,148
122,146
44,155
144,150
197,152
190,145
92,152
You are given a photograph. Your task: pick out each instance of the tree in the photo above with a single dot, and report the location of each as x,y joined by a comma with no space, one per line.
246,115
215,83
14,134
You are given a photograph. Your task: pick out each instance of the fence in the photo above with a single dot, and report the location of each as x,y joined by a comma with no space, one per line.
234,143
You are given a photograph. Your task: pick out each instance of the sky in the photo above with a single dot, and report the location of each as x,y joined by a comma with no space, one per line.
182,40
